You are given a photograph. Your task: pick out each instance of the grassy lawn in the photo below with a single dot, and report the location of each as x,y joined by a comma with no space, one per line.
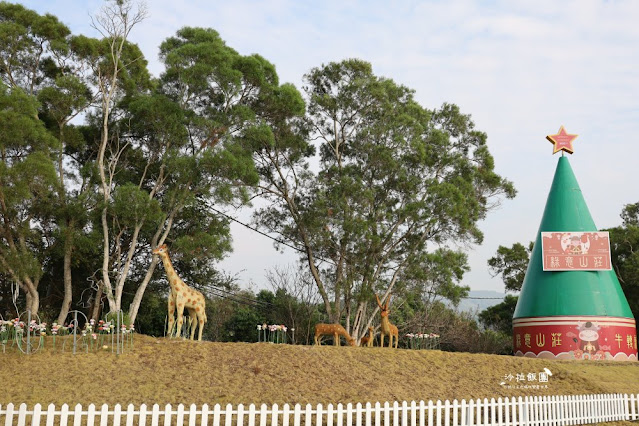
159,370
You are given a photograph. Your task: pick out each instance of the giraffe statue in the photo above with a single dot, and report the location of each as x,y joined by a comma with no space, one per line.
182,296
388,329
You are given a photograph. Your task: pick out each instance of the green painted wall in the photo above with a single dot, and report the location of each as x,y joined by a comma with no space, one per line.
569,292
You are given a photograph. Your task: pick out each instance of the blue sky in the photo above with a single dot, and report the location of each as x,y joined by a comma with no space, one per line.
521,69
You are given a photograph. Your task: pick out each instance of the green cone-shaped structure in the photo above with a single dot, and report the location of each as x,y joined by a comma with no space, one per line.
561,312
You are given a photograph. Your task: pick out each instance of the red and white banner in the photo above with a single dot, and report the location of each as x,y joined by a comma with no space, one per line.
576,337
576,251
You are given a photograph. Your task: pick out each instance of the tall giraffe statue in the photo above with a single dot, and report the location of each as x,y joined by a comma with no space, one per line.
182,296
388,329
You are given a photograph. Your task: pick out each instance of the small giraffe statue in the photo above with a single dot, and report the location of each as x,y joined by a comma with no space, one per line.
368,340
388,329
334,330
182,296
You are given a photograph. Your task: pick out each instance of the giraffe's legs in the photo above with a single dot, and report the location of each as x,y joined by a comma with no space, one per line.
193,321
171,309
201,325
180,313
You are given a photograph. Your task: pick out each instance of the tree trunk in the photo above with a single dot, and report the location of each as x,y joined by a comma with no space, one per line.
33,300
137,299
119,287
68,282
97,303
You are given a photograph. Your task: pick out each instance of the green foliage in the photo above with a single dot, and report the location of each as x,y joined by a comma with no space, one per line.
27,179
511,264
118,318
27,42
625,258
394,177
499,317
437,275
151,318
242,326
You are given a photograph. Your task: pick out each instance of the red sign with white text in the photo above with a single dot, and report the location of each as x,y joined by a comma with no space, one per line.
576,251
576,337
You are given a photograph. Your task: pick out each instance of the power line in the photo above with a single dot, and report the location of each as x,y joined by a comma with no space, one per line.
231,218
484,298
277,240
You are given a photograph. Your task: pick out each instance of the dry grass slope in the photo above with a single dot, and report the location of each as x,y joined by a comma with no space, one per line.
165,371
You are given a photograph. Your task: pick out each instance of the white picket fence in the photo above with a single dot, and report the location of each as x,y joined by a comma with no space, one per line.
538,410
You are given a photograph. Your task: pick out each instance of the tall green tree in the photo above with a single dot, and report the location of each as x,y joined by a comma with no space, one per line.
116,65
511,263
27,182
35,55
210,106
394,181
624,241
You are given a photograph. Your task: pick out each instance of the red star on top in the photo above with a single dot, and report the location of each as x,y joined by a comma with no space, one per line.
562,141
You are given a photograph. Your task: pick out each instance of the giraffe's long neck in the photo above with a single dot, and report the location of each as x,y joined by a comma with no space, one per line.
170,271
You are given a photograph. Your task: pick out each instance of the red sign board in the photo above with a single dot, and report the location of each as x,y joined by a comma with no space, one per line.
576,251
576,337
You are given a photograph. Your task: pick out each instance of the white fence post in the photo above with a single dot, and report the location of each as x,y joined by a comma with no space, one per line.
263,414
168,415
8,419
413,413
217,413
130,415
117,414
228,415
104,415
298,415
378,414
319,414
22,414
91,415
431,410
308,416
142,412
404,413
329,415
274,414
192,415
359,414
422,413
386,413
240,415
35,417
463,407
77,416
51,415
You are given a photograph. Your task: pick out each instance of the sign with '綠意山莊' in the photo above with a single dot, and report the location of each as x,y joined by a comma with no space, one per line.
575,251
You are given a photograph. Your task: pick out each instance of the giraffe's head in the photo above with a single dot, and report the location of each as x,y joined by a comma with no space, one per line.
161,250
